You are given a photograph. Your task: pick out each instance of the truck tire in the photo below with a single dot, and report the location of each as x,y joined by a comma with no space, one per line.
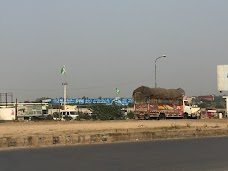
162,116
147,117
136,117
185,116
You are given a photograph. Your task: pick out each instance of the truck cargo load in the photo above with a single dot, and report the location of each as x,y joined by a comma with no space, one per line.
146,92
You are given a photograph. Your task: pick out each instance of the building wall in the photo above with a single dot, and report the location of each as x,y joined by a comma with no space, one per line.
7,114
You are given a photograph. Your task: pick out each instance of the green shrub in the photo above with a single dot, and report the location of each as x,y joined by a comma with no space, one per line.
107,112
130,115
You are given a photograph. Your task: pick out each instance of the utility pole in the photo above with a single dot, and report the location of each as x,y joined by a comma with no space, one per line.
63,72
16,111
6,99
65,94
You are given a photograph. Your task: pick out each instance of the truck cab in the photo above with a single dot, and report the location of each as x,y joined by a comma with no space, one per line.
187,109
190,111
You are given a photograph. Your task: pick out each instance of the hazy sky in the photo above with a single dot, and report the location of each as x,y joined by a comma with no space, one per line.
106,44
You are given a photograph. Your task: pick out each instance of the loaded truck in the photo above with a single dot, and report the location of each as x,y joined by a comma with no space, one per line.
161,103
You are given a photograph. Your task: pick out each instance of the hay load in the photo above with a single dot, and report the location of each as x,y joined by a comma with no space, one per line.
144,92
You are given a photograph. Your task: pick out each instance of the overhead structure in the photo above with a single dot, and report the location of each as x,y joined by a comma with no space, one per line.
222,81
222,77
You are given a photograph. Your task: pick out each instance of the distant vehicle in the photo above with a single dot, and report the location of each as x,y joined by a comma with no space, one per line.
211,113
89,113
66,115
124,113
161,103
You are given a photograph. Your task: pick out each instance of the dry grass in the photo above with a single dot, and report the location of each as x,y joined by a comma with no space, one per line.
57,127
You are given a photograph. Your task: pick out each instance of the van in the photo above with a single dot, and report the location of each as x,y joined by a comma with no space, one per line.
66,115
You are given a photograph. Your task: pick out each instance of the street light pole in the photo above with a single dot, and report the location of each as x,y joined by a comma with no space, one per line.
163,56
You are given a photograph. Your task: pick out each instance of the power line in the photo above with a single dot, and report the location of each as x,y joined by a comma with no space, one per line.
16,89
75,89
110,85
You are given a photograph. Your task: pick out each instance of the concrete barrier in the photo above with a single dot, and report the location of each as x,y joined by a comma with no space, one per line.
94,138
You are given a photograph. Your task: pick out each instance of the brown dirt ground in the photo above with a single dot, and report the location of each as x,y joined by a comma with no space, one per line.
58,127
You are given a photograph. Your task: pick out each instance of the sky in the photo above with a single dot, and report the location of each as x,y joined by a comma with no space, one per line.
109,44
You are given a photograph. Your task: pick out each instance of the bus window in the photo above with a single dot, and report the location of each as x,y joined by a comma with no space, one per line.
73,113
64,113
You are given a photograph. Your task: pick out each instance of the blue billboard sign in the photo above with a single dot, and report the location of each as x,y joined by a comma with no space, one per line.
107,101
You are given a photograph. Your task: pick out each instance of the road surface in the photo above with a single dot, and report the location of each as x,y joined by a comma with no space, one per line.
209,154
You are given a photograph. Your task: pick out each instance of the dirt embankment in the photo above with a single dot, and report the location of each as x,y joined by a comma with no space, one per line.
39,134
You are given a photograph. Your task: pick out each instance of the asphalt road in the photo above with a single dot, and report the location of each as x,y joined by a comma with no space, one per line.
209,154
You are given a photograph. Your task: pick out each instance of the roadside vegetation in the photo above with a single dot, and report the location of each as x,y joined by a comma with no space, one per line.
107,112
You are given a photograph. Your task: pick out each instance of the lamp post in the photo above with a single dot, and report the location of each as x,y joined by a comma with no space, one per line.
163,56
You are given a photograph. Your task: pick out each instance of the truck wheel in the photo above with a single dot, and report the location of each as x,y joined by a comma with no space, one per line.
146,117
162,116
136,117
185,116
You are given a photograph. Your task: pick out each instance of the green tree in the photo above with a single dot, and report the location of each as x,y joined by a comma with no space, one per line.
219,106
202,105
107,112
130,115
27,101
130,105
39,100
54,106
